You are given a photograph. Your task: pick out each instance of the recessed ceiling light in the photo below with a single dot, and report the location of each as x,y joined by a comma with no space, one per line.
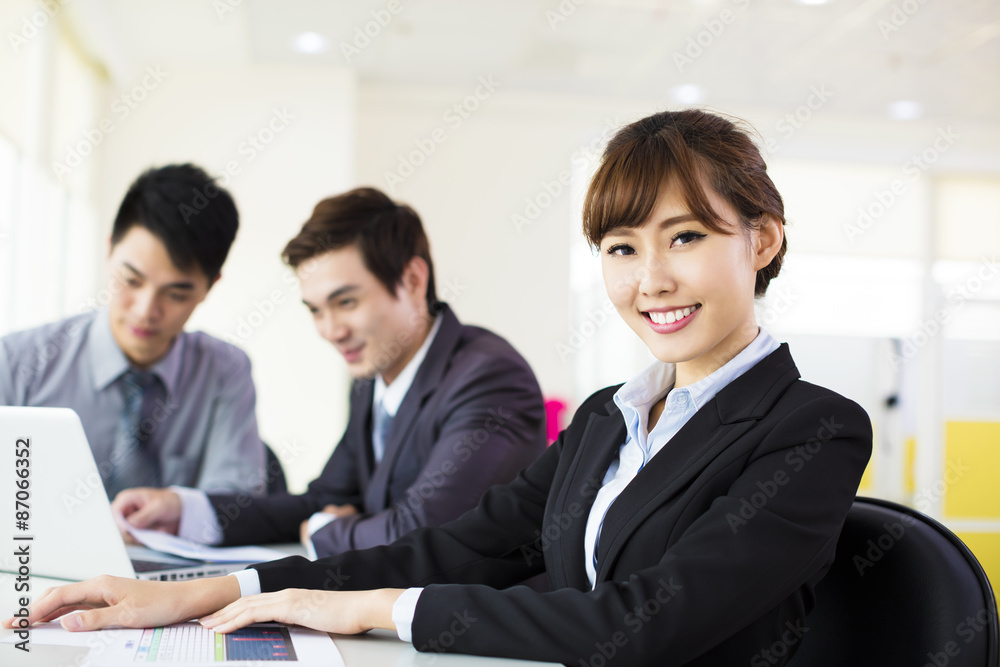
814,2
905,110
688,93
310,42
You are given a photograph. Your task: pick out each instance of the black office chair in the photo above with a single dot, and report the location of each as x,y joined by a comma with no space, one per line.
275,473
903,591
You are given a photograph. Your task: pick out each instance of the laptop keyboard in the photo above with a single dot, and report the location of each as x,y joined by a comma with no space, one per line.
150,565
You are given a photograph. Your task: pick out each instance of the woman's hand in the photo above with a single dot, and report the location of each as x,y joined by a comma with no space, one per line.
130,603
341,612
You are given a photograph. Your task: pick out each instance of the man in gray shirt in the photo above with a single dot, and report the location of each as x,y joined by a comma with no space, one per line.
160,406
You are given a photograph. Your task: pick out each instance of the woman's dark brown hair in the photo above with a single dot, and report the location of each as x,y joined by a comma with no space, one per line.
692,149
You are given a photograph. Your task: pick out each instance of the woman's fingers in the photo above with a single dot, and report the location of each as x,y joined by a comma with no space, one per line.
327,611
251,609
63,599
63,611
95,619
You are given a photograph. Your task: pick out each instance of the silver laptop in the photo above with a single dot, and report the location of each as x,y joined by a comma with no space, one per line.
59,519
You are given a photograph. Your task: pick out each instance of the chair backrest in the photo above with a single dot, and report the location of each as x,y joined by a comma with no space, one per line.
903,590
276,482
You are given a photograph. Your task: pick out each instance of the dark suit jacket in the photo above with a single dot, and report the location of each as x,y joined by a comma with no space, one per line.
709,556
472,418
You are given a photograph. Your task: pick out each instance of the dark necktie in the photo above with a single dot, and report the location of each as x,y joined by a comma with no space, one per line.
132,463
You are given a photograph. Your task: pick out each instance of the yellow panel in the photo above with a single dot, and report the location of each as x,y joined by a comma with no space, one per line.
909,465
972,467
986,547
868,478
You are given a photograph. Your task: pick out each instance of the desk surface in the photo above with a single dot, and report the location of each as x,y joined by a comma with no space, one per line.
380,647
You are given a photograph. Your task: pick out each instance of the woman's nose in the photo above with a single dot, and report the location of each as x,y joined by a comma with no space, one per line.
656,277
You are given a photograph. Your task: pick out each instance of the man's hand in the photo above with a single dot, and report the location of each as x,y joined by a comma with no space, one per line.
340,510
114,601
336,510
154,509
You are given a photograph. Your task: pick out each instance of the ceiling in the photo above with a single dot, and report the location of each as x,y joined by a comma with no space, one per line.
865,54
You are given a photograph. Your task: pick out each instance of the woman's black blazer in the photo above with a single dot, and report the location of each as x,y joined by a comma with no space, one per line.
709,556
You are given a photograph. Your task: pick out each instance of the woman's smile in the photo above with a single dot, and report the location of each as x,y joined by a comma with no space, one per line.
669,320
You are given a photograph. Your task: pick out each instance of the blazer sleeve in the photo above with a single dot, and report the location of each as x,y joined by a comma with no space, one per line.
721,574
276,517
481,545
728,569
486,428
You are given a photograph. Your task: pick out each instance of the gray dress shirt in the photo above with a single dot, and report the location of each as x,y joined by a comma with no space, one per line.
198,413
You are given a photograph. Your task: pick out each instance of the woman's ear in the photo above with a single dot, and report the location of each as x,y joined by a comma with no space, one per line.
767,240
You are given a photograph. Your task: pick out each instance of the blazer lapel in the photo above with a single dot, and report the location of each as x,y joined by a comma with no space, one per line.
599,445
361,432
428,377
708,433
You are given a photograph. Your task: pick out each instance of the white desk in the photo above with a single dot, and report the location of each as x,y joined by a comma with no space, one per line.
380,647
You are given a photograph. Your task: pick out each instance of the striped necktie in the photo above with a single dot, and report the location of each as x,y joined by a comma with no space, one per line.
132,464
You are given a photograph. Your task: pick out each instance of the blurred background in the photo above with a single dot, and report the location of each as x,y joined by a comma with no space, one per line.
879,119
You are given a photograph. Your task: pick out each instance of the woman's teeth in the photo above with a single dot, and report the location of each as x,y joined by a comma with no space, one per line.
672,316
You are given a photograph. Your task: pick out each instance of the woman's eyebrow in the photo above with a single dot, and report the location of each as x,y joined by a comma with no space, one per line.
677,219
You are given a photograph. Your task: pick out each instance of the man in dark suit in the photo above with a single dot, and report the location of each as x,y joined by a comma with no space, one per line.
439,411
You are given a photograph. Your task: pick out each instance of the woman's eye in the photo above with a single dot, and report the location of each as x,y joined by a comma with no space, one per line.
347,303
621,249
684,238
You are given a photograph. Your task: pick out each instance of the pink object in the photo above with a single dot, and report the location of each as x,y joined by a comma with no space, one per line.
555,408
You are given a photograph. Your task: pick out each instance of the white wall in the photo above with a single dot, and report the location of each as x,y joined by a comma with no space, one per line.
507,274
206,115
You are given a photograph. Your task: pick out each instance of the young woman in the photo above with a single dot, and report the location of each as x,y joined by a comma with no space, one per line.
682,518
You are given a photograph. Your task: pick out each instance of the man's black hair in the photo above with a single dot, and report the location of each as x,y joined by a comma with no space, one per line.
182,206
